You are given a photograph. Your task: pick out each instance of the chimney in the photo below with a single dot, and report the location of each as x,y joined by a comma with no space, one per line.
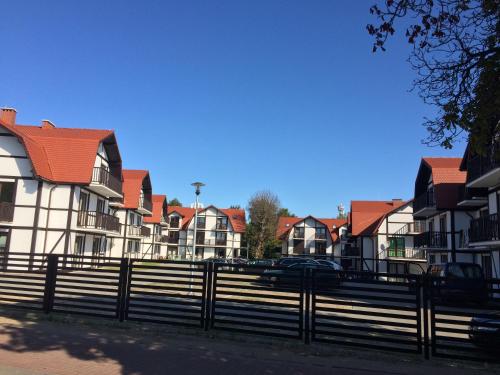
8,116
396,201
47,124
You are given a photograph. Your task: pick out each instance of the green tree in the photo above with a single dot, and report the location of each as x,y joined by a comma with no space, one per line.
263,210
235,207
456,56
174,202
285,212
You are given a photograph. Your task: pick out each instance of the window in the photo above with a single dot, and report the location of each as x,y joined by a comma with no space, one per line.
174,221
200,238
133,246
96,246
432,259
221,238
199,252
221,223
3,249
79,245
171,252
100,206
320,247
430,225
157,249
173,236
200,223
397,268
486,263
396,246
444,258
7,192
442,224
220,253
298,232
83,203
298,246
321,233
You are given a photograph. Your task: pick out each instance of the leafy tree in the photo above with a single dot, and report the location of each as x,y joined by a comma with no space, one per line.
174,202
235,207
456,56
285,212
263,210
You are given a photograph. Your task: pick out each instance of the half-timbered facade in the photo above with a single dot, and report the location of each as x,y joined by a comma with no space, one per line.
155,245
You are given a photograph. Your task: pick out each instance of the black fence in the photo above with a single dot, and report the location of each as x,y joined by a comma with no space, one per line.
383,311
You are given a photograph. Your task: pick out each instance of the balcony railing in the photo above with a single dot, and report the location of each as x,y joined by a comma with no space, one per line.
139,230
484,229
6,211
478,166
469,194
351,252
320,236
145,203
161,238
221,226
174,239
438,240
98,220
408,253
424,200
103,176
220,242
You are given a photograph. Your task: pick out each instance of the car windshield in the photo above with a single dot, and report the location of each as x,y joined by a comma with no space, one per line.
465,271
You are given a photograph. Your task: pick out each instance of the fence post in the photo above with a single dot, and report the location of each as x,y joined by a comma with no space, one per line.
213,300
419,307
50,283
207,278
425,295
307,311
123,288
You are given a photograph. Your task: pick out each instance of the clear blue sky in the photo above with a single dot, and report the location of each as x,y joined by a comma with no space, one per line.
242,95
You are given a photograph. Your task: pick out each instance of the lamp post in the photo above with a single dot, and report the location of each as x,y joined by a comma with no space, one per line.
197,186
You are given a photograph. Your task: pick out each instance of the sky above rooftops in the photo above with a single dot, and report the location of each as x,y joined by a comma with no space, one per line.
242,95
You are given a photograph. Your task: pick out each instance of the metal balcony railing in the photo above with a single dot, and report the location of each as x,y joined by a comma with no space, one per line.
6,211
478,166
98,220
408,253
438,240
484,229
102,176
145,203
221,226
161,238
424,200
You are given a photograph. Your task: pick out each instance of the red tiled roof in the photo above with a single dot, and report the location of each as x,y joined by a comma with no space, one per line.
236,217
159,202
286,223
133,181
446,170
365,216
62,155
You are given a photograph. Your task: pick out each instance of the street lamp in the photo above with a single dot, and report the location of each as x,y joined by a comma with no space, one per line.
197,186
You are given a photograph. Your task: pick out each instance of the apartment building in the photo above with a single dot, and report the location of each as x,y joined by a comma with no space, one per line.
56,185
309,235
219,233
155,245
381,237
131,210
480,195
437,204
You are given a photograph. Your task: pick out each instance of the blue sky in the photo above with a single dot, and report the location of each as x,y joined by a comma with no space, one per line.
243,95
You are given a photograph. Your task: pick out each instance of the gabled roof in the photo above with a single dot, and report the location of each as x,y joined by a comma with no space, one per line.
446,170
133,182
286,223
365,216
65,155
235,216
159,206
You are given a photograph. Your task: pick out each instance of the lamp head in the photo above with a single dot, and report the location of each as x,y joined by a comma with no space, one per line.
197,185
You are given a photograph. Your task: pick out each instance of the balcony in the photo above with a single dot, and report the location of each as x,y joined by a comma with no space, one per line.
434,240
145,206
104,183
173,238
425,204
320,236
221,226
484,229
483,171
407,253
351,251
472,197
6,212
161,238
139,231
164,221
98,221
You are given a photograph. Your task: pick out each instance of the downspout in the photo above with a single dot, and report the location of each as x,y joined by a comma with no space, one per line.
48,218
453,244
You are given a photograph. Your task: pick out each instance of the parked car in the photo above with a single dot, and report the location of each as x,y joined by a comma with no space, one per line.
261,262
285,262
485,332
291,275
458,282
330,263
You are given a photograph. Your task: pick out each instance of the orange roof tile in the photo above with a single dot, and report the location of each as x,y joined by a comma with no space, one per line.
159,205
63,155
365,216
133,182
446,170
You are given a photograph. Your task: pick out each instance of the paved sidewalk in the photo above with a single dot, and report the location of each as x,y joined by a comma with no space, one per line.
33,345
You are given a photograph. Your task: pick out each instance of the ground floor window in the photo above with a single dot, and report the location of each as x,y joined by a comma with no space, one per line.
3,249
172,252
398,268
397,247
220,253
199,252
432,259
133,246
444,258
157,249
320,247
79,245
486,264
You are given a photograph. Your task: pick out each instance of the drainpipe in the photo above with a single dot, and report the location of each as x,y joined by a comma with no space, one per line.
453,244
48,218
